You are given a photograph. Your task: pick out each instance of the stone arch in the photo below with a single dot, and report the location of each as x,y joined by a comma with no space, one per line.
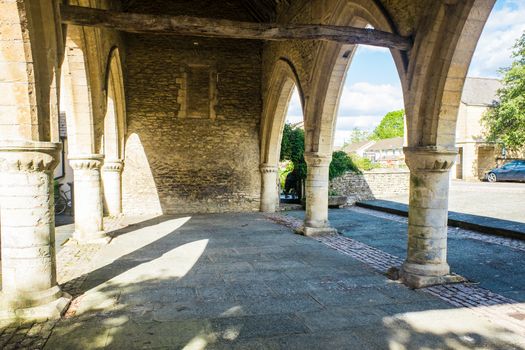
77,93
332,61
441,59
281,84
115,118
30,70
279,92
114,133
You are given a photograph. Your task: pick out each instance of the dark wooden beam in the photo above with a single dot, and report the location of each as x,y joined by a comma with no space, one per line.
206,27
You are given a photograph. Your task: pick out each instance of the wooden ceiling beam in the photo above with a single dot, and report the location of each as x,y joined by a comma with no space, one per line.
219,28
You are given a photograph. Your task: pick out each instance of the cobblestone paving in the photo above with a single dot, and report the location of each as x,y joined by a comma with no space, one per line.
504,311
72,260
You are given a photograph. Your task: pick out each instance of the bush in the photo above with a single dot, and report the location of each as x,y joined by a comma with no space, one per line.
341,163
363,164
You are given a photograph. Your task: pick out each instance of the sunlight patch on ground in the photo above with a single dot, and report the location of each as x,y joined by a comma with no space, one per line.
138,238
459,328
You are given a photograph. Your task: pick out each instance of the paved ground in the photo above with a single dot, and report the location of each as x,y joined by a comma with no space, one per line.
241,281
501,200
482,224
496,267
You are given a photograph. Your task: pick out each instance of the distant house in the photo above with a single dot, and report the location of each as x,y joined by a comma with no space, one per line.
387,152
358,148
476,155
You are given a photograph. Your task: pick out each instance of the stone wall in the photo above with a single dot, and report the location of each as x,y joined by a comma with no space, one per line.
371,184
180,158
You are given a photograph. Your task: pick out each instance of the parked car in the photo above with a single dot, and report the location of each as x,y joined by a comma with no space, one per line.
512,171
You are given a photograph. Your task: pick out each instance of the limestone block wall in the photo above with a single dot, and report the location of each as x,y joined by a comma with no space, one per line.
370,185
182,154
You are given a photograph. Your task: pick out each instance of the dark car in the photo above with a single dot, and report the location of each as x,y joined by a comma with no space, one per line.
512,171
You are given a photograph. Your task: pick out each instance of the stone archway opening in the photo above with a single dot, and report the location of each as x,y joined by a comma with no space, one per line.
370,89
113,137
283,86
290,166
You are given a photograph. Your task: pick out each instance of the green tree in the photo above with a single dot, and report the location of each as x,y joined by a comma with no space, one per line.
292,148
357,135
506,121
341,163
392,125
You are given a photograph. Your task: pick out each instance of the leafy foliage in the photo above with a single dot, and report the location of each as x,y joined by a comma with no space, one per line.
341,163
283,173
506,121
292,148
364,163
357,135
392,125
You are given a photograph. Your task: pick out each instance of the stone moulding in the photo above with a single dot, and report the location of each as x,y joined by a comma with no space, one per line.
29,156
86,162
113,165
430,159
316,159
266,168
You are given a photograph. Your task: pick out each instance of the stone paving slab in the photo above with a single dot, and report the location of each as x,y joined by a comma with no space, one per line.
495,263
157,286
484,224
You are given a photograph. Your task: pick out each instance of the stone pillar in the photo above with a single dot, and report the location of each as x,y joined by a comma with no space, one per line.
27,226
88,199
112,184
426,262
269,193
316,216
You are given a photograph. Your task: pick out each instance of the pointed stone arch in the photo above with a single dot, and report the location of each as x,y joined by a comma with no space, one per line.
76,96
115,118
114,134
281,85
320,108
279,92
330,67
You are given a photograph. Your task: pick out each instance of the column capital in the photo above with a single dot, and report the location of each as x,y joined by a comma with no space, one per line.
114,165
430,158
268,168
29,156
86,161
316,159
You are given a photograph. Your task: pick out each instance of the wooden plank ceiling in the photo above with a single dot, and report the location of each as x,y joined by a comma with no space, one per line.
263,11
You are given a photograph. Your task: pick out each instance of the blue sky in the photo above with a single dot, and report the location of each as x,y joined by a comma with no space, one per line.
372,87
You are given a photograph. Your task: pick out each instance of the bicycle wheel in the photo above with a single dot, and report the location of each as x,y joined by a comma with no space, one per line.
60,205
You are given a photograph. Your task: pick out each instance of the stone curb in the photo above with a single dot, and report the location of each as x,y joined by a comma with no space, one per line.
477,223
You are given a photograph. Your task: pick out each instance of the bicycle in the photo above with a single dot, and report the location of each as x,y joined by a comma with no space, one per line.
62,200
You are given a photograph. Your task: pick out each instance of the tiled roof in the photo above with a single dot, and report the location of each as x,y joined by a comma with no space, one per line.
480,91
392,143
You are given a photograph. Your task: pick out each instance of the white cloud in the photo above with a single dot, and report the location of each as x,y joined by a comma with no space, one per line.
364,48
362,106
364,98
294,107
504,26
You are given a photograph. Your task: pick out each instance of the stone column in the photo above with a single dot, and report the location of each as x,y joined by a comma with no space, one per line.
316,216
112,184
426,262
27,226
269,193
88,199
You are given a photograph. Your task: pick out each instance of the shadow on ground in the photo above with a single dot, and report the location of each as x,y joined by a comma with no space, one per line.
240,281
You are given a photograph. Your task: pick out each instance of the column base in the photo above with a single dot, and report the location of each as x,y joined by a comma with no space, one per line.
100,237
418,276
317,231
50,304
